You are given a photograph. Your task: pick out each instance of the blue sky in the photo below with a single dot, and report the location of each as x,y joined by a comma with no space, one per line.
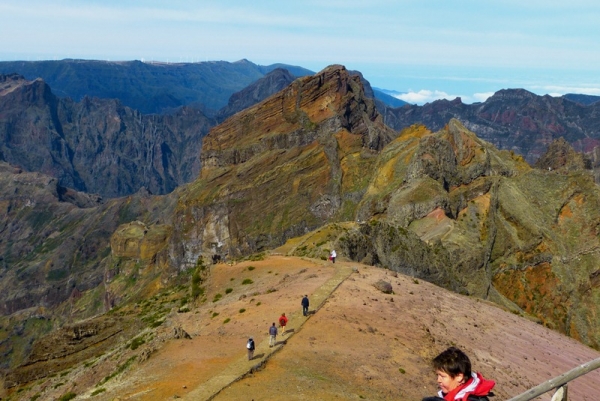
427,48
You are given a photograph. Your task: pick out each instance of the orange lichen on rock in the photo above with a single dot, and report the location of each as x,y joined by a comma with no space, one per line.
534,290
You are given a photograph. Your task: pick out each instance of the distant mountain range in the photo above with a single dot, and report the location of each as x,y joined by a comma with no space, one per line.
582,99
148,87
159,152
152,87
512,119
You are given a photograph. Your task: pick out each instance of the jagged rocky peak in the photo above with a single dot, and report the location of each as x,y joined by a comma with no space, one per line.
299,156
456,156
310,108
9,82
561,155
15,88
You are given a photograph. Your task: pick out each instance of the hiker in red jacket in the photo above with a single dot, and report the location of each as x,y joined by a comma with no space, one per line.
283,322
456,380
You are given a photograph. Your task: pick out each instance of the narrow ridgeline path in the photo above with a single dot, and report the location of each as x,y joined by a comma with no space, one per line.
241,367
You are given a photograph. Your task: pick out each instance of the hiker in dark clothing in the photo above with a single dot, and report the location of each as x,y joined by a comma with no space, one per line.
250,346
305,304
273,335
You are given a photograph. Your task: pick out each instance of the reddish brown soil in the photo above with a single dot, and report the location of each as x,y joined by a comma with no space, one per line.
362,344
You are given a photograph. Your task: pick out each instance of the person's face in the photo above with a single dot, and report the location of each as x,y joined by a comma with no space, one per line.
448,383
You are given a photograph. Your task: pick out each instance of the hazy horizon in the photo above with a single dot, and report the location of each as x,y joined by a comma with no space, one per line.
427,50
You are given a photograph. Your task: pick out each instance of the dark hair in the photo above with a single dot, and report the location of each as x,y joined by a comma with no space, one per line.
454,362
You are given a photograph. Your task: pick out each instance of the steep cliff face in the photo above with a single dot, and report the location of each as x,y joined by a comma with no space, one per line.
56,263
97,146
284,166
512,119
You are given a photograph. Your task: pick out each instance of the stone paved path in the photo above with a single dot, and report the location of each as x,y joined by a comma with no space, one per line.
242,366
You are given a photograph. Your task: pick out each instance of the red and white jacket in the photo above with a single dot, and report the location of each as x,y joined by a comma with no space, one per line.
476,385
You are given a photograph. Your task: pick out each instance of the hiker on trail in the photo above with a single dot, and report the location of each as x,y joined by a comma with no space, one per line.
273,335
250,346
305,304
332,256
456,380
283,322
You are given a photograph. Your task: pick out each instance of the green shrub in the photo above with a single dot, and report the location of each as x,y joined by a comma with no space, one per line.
242,310
136,342
250,268
68,396
98,391
226,321
247,281
257,257
228,290
215,314
217,297
197,289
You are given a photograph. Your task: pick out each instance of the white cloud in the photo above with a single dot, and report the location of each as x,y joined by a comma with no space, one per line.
424,96
427,96
555,90
481,97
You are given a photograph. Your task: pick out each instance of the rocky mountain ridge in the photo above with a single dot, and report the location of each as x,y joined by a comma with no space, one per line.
100,146
512,119
168,156
316,166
